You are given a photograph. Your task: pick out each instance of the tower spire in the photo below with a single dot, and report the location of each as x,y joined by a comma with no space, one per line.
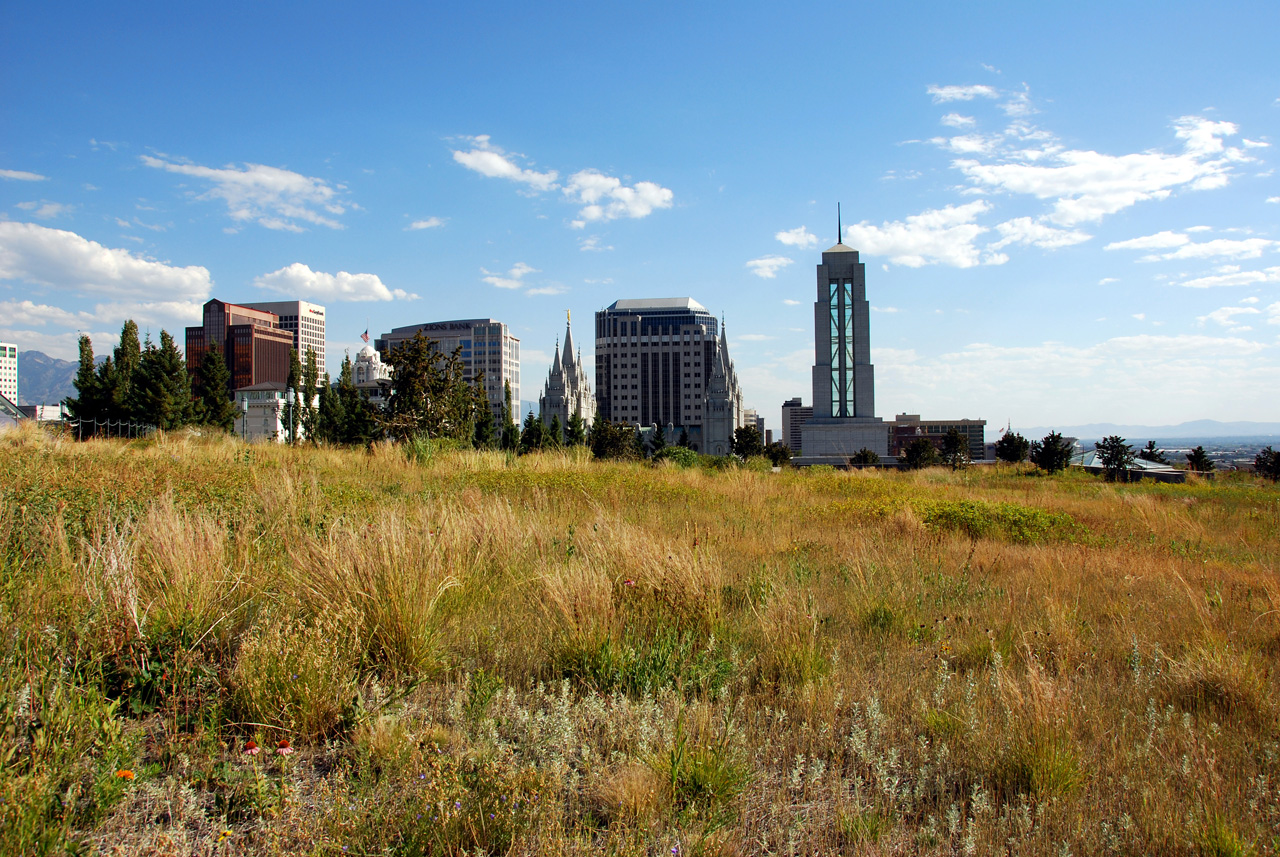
839,226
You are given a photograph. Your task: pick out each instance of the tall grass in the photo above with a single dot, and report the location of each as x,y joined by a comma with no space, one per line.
478,652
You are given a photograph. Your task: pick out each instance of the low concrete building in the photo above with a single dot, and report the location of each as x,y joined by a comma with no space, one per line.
906,428
262,412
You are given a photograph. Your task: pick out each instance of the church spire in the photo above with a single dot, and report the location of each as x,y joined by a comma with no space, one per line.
839,226
568,339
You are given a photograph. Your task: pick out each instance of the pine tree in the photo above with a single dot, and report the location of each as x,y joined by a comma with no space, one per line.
87,404
483,436
293,382
1117,457
1051,454
657,441
310,377
214,390
1199,461
955,450
1153,454
330,414
534,436
684,439
1012,448
161,390
119,383
510,431
575,432
555,434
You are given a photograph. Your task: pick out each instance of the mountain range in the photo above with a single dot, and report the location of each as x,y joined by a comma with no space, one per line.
1194,430
44,380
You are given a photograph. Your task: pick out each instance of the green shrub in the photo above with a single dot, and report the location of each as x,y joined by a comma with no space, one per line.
678,455
1008,521
296,675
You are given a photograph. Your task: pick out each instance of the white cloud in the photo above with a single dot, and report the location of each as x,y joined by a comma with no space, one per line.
1106,280
299,281
1140,316
1087,185
889,309
490,160
790,302
513,279
1255,144
1226,315
1273,199
942,94
65,261
1199,229
273,197
937,236
44,210
605,197
1024,230
1273,313
591,244
798,237
1158,241
768,266
955,120
547,290
429,223
1248,248
1234,278
1248,300
21,176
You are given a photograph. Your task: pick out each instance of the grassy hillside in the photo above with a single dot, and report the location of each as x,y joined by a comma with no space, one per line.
546,655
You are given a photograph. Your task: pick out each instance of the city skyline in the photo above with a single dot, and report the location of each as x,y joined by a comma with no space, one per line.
1066,217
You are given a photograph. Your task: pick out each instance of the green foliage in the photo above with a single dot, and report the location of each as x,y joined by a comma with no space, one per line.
575,432
213,389
778,453
296,675
510,431
955,450
646,661
1009,521
920,453
747,442
678,455
865,457
1039,763
611,440
1012,448
1051,454
1199,461
703,772
309,382
1267,464
535,436
1152,454
429,393
1116,456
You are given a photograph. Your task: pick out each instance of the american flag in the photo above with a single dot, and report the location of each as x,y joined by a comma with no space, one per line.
365,335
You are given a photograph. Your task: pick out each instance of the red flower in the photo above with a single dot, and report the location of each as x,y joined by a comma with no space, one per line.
250,748
628,582
124,774
283,747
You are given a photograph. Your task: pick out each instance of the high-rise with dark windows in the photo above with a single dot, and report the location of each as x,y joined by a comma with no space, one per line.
255,347
665,362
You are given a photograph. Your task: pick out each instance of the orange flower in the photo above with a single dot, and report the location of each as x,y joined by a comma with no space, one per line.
250,748
283,747
124,774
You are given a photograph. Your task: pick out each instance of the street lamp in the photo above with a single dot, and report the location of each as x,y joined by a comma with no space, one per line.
244,418
290,397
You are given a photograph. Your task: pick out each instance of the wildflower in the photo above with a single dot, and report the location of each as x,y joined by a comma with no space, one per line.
283,747
124,774
250,748
457,804
628,582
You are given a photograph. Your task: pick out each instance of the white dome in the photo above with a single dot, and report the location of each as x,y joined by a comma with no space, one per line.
367,352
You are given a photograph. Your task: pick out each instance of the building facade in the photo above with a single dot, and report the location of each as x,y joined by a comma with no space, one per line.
9,371
794,415
905,428
253,344
488,351
262,412
305,321
844,420
752,417
567,390
370,374
665,362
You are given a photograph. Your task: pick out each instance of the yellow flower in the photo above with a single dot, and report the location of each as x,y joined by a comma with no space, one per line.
124,774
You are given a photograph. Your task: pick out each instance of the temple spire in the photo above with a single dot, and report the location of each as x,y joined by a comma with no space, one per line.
839,226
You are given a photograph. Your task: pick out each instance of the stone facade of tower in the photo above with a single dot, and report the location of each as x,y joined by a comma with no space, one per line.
567,390
724,401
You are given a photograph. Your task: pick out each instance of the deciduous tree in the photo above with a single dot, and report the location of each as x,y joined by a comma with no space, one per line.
920,453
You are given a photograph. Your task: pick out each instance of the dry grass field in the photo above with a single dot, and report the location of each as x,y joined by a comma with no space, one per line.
481,654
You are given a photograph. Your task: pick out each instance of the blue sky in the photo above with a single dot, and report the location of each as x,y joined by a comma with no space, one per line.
1068,214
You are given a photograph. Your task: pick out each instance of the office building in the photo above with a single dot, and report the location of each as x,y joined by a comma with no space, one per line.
751,417
9,371
488,351
567,391
844,419
665,362
905,428
254,346
794,415
305,321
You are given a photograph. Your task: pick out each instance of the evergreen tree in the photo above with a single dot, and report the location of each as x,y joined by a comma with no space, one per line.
534,436
161,390
293,410
1267,464
510,431
610,440
1152,454
430,396
1051,454
920,453
684,439
575,433
484,437
214,390
747,442
657,441
780,454
638,447
1199,461
955,450
1012,448
862,458
330,414
555,434
307,410
86,406
1117,457
359,422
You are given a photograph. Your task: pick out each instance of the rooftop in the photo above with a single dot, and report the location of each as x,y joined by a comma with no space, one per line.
658,303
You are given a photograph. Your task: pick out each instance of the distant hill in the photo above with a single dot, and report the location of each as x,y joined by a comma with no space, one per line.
1196,429
44,380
